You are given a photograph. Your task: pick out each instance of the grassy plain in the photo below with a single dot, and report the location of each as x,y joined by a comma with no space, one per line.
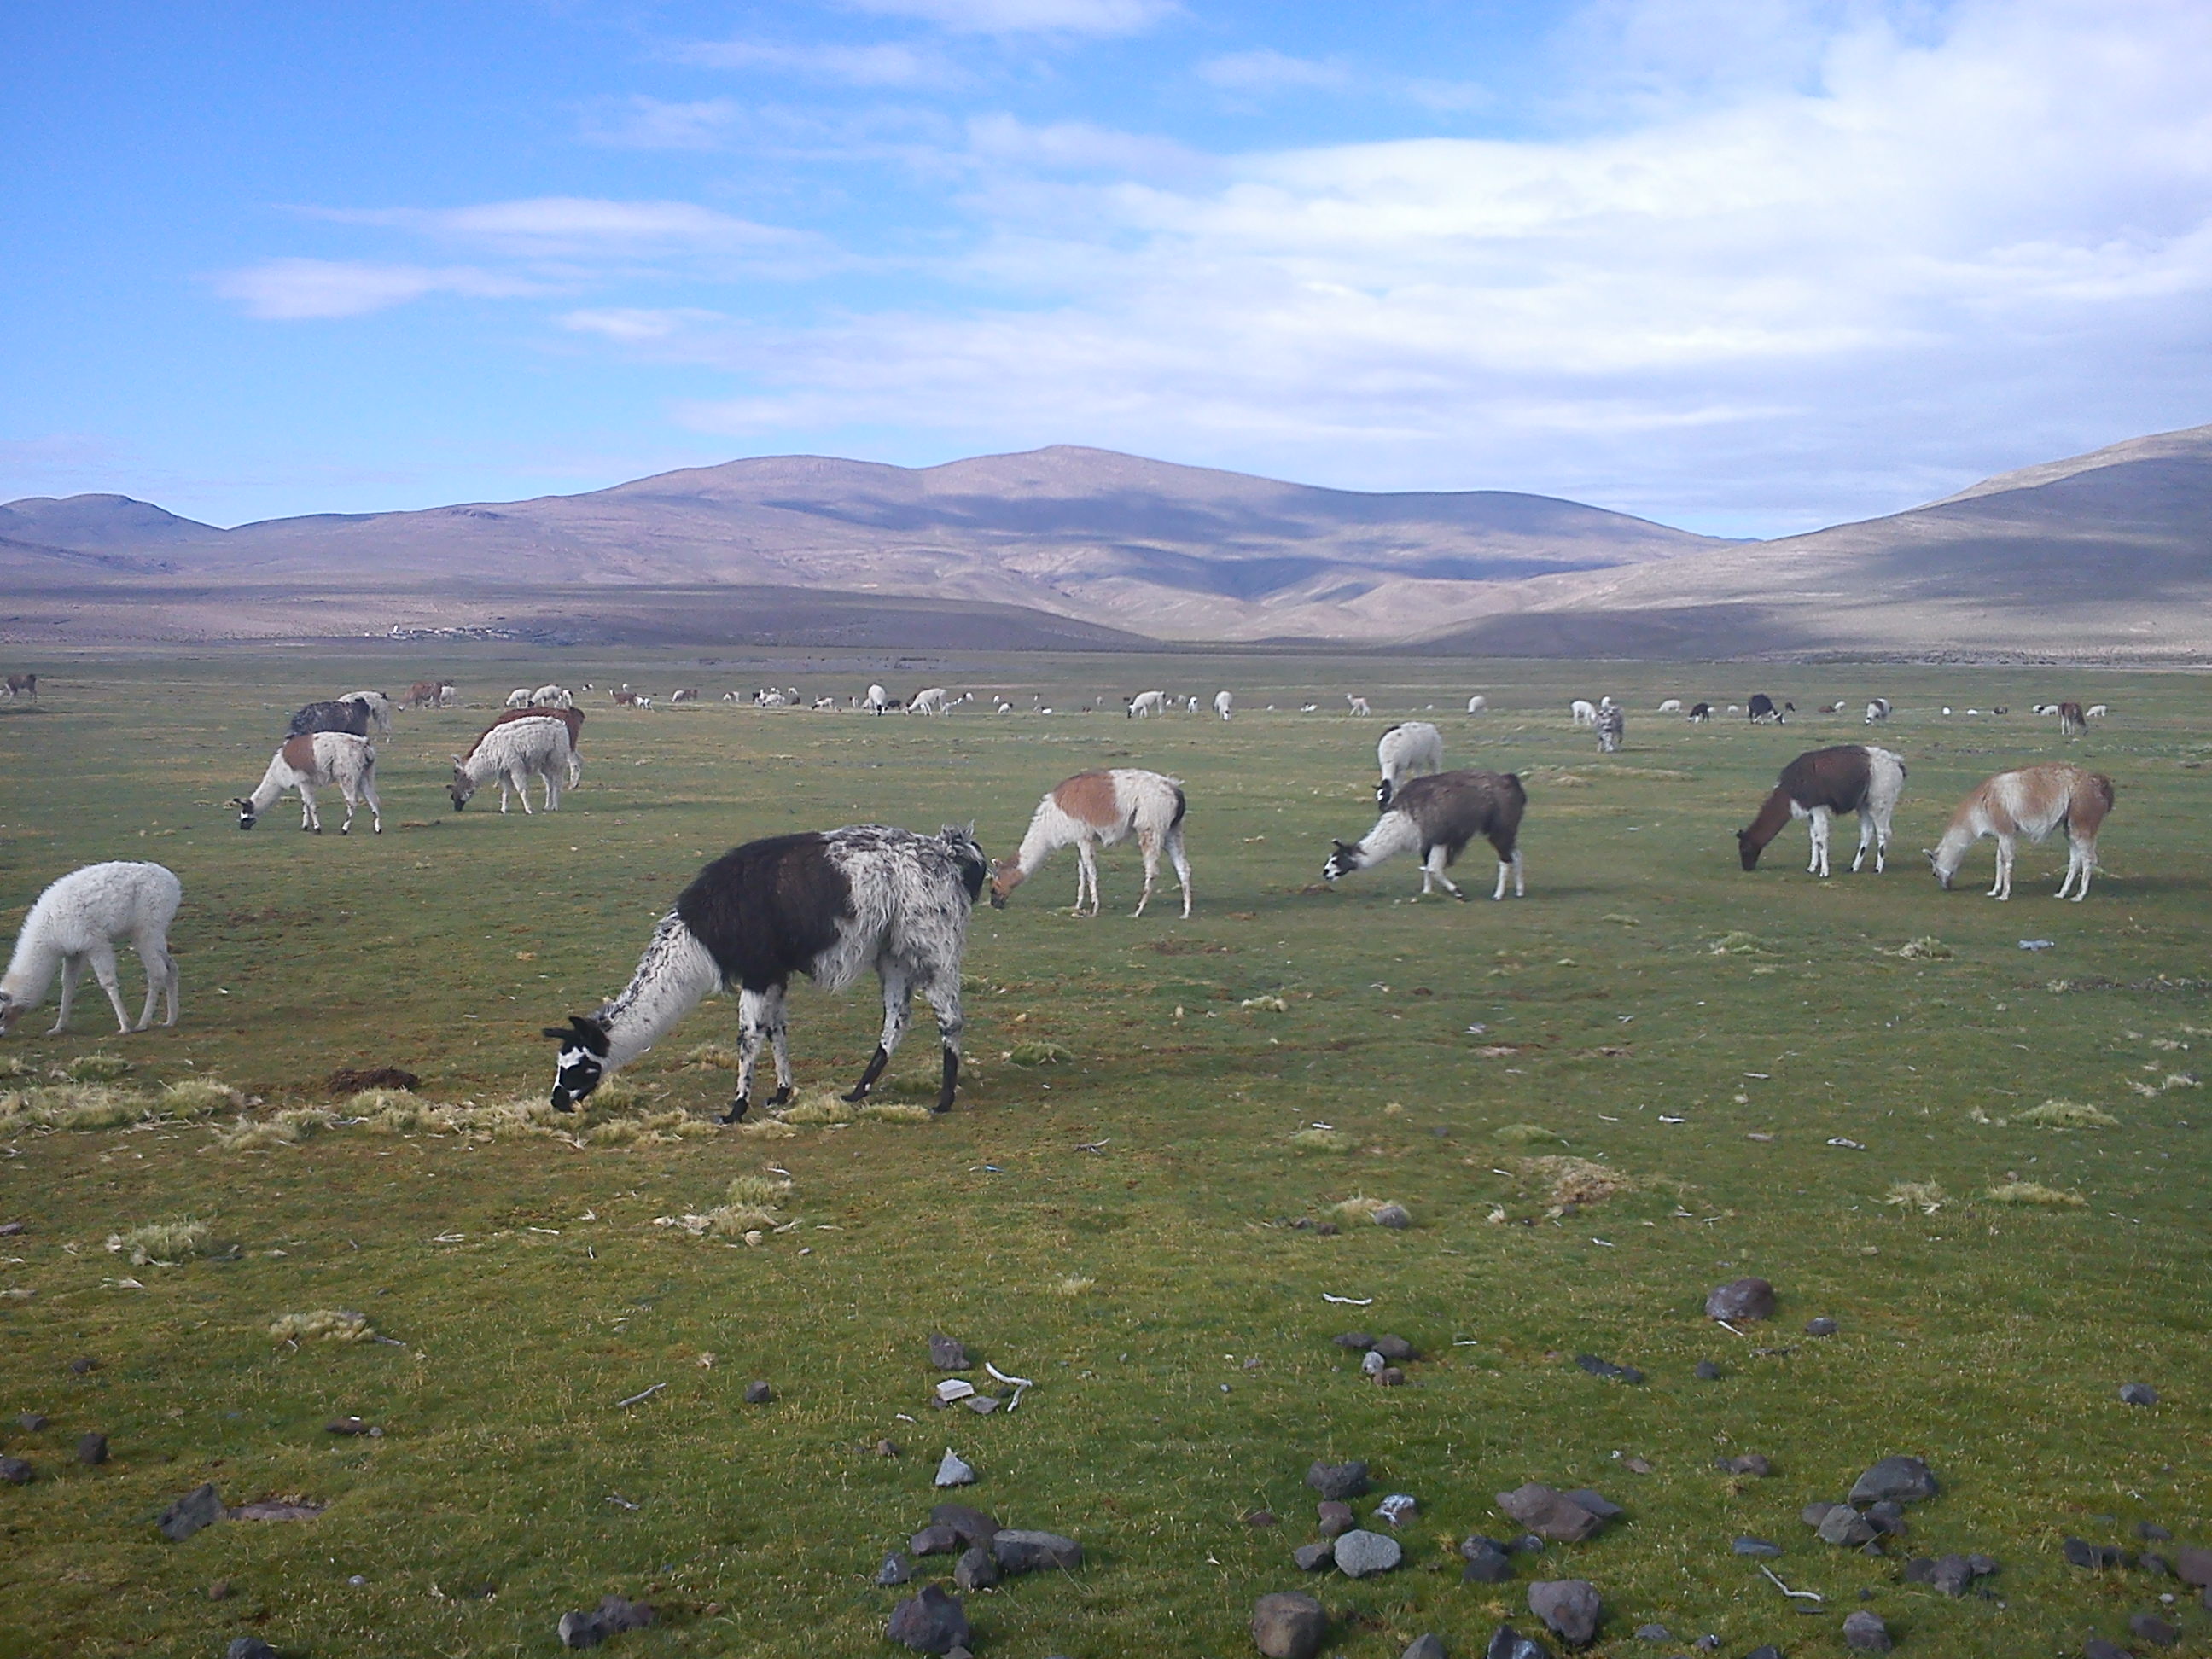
1173,1319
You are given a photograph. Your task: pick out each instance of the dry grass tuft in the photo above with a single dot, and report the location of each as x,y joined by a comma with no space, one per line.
1739,945
1266,1005
718,1056
285,1129
87,1106
1926,948
195,1097
1358,1208
1577,1181
2034,1192
1924,1196
2068,1115
619,1094
823,1106
1041,1054
767,1128
323,1325
1322,1140
895,1111
1526,1134
97,1068
1072,1285
765,1190
162,1243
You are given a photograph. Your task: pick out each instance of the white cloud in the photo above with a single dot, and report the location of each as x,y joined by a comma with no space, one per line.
1098,17
1077,146
1266,70
554,226
635,325
290,289
880,63
641,123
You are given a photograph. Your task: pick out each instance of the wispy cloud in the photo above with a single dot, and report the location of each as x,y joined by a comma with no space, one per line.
1077,146
1266,70
292,290
879,64
635,325
1094,17
552,226
643,123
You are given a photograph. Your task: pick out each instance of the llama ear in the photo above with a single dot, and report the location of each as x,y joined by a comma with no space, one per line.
558,1033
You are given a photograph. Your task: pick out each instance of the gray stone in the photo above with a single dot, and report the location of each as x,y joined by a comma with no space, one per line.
2157,1565
617,1615
1604,1508
1708,1643
1018,1549
1507,1642
1487,1563
1921,1569
1335,1519
2151,1533
947,1355
1398,1508
1865,1631
1741,1299
1756,1547
970,1525
932,1622
1396,1217
1654,1633
1338,1479
896,1570
2193,1567
2081,1552
1707,1371
953,1470
1548,1513
1389,1377
1817,1512
1984,1566
1261,1518
934,1540
16,1472
1371,1362
2138,1393
1887,1519
1953,1575
1823,1325
1900,1479
83,1366
1605,1367
346,1425
31,1422
1526,1544
1395,1349
1568,1606
249,1647
2149,1627
1360,1553
1312,1558
580,1630
1844,1526
1750,1463
197,1508
757,1393
981,1403
1357,1341
1428,1645
1763,1650
1288,1625
975,1570
2098,1648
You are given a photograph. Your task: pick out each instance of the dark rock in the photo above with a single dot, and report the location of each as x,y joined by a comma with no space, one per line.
1886,1519
249,1647
1338,1479
1395,1217
975,1570
1846,1527
2081,1552
2194,1566
1261,1518
1507,1642
1018,1549
1360,1553
1288,1625
1900,1480
1953,1575
1395,1349
580,1630
1429,1645
970,1525
1335,1518
2138,1393
92,1451
2157,1565
197,1508
758,1393
2149,1627
1709,1642
1312,1558
16,1472
1756,1547
934,1540
1568,1606
2098,1648
2151,1533
1548,1513
1865,1631
1527,1543
1605,1368
1653,1633
1920,1570
616,1615
947,1355
896,1570
1750,1463
1357,1341
1814,1513
1390,1377
1707,1371
1603,1508
1984,1566
1763,1650
1823,1325
1487,1563
932,1622
83,1366
31,1422
1872,1547
347,1425
1741,1299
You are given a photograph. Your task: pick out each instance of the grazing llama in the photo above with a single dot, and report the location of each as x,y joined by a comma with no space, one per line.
1147,703
1672,705
2072,723
315,760
686,694
1699,713
1437,816
877,701
518,698
1583,711
552,696
1852,777
22,685
1406,751
2095,711
335,715
1358,705
1093,810
1476,704
512,751
423,693
379,707
826,904
77,922
2031,802
1612,726
1877,711
934,700
1223,703
1762,709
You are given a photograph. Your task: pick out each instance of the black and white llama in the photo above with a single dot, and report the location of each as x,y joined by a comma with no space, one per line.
1612,723
1437,816
826,904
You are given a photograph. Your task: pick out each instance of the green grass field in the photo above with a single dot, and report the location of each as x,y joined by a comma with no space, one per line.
1172,1318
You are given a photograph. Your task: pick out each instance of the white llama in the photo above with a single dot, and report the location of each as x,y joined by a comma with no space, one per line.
512,753
317,761
1405,751
1093,810
76,922
379,707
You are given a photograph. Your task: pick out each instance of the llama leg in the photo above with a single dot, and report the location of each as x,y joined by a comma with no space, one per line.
309,817
778,1045
944,994
352,798
161,970
898,1002
1086,876
102,957
521,792
1151,850
1819,866
751,1027
72,971
1435,868
1865,835
1182,868
375,807
2002,890
1503,869
2088,868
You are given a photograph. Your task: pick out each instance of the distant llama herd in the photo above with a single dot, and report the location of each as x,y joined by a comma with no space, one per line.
828,904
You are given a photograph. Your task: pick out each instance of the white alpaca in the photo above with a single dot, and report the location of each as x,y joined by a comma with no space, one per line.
317,761
518,698
1583,713
77,921
930,701
1672,705
512,753
1147,703
2031,802
552,696
1358,705
1093,810
1406,751
1222,702
1477,704
2096,711
1877,711
379,707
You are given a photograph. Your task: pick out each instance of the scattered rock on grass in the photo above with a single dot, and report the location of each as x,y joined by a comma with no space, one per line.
616,1615
1570,1606
351,1080
1900,1480
1396,1217
1823,1325
1652,1633
31,1422
2193,1567
934,1540
1865,1633
1707,1371
1336,1518
1339,1480
83,1366
2149,1627
92,1451
1507,1642
580,1630
1605,1368
975,1570
758,1393
1360,1553
896,1570
353,1425
2151,1533
16,1472
2081,1552
947,1355
249,1647
1548,1513
2098,1648
970,1525
2138,1393
1428,1645
1750,1463
1389,1377
1487,1563
1288,1625
1018,1549
1604,1508
1261,1518
200,1507
1398,1508
1395,1349
1758,1548
1741,1299
932,1622
1357,1341
953,1470
1312,1558
1844,1526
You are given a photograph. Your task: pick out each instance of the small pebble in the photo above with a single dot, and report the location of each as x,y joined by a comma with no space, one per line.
1312,1558
92,1451
2138,1393
15,1471
248,1647
2149,1627
1821,1327
1741,1299
2151,1533
1338,1479
1707,1372
888,1449
1395,1349
947,1355
953,1470
758,1393
1360,1553
83,1365
2098,1648
1335,1518
896,1570
1865,1633
1261,1518
1756,1547
1428,1645
1394,1216
1398,1508
1652,1633
977,1570
31,1422
1389,1377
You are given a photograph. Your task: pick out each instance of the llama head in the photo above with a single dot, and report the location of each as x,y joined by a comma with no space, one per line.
1006,876
1934,856
246,813
582,1062
8,1009
1749,849
1341,862
463,785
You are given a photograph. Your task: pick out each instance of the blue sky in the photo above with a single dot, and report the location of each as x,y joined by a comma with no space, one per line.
1744,265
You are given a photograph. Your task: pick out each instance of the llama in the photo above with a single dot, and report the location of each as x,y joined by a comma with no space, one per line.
1612,724
1147,703
1852,777
689,694
313,761
2031,802
826,904
1223,703
1476,704
2071,721
335,715
512,751
552,696
571,717
2095,711
76,923
1582,713
1358,705
1101,809
1439,815
423,693
930,701
1877,711
1762,709
518,698
379,707
877,699
22,685
1672,705
1699,713
1405,751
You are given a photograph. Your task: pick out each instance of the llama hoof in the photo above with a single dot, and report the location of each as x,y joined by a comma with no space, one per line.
781,1097
856,1096
942,1106
738,1107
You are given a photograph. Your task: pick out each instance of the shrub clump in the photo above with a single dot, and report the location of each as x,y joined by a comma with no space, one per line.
323,1325
2068,1115
285,1129
87,1106
1072,1285
1576,1181
895,1111
195,1097
1924,1196
162,1243
1926,948
719,1056
1317,1140
1526,1134
1739,945
2034,1192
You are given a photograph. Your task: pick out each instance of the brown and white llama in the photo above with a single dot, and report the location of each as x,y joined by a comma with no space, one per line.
2071,721
1437,816
2031,802
22,685
1093,810
1852,777
313,761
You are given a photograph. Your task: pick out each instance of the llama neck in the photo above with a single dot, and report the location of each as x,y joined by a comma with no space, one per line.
274,783
1394,833
1771,816
31,969
675,973
1048,832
